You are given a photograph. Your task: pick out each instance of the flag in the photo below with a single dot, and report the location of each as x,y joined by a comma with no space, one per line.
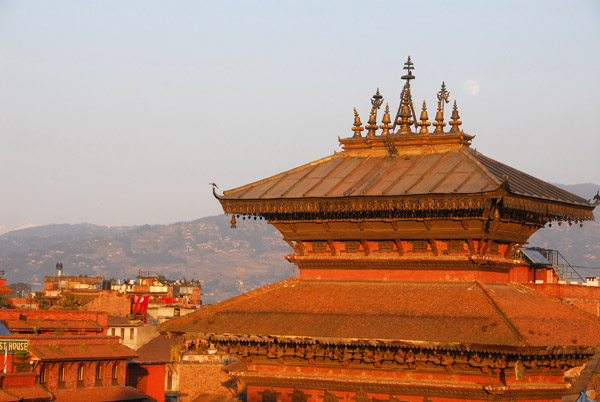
144,304
137,300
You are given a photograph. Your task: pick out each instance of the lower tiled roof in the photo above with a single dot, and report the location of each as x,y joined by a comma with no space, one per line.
81,351
440,314
33,392
102,395
53,325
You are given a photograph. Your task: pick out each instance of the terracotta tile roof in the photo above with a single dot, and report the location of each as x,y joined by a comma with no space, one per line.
6,397
25,393
434,313
81,351
158,349
447,171
214,398
102,395
53,325
116,321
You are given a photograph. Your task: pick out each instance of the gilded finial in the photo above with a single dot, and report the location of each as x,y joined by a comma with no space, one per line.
405,114
406,108
442,97
376,102
357,125
424,124
408,66
371,126
455,122
386,126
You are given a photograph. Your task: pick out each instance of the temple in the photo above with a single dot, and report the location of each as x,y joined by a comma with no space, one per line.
409,286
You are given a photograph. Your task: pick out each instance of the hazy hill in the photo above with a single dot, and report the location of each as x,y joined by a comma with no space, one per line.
579,245
42,237
205,249
209,250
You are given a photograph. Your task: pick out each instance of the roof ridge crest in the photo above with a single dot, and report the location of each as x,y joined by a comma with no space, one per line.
481,167
502,314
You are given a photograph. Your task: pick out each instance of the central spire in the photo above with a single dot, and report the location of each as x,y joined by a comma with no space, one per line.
406,108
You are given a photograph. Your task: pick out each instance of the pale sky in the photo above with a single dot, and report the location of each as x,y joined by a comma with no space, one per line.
121,112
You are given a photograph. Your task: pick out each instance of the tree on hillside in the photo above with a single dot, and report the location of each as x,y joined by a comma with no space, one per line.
69,301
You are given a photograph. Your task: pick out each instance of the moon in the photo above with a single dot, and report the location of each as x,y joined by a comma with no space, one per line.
471,87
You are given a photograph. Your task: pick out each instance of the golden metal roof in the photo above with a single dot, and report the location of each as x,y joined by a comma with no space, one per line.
406,160
449,171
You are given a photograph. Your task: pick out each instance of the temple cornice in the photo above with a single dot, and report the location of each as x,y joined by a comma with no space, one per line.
406,207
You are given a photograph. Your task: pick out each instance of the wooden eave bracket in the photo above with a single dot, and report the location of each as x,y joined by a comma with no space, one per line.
399,246
365,245
434,247
332,247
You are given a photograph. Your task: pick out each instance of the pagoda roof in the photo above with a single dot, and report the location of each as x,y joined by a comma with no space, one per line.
398,168
438,172
446,171
440,315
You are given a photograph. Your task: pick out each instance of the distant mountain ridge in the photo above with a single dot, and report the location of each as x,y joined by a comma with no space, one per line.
579,245
206,249
42,237
209,250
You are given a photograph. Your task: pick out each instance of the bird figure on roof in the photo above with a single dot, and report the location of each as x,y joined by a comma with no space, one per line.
597,197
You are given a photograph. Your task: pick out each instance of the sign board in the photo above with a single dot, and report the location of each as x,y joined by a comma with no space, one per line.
13,346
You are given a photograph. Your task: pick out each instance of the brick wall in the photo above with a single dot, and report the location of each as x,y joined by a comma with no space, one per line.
203,378
114,303
89,367
586,298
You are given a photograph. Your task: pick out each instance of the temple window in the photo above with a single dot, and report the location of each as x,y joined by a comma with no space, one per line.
420,246
319,247
299,396
131,333
62,376
493,248
455,247
98,374
361,396
44,374
352,246
115,374
385,246
81,376
268,395
329,397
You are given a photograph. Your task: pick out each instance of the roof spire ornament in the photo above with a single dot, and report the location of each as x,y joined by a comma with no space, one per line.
386,126
439,117
455,122
424,124
376,102
357,125
406,101
405,115
408,66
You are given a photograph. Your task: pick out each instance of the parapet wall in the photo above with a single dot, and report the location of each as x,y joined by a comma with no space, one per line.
584,297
